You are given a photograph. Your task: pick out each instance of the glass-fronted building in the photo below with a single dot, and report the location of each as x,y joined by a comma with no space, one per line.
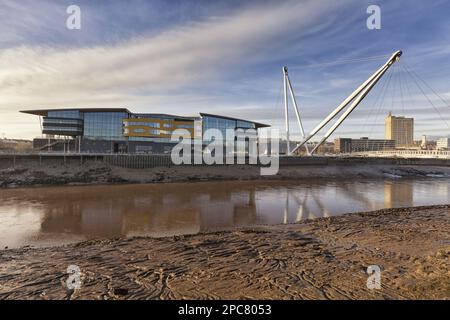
118,130
225,125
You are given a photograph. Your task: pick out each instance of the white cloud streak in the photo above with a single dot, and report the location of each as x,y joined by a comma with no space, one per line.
42,76
155,72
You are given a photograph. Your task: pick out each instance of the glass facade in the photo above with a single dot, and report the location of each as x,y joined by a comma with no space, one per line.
62,122
245,124
62,131
62,126
211,122
71,114
144,139
104,125
222,124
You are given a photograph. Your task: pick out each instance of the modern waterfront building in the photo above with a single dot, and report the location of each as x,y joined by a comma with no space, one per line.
117,130
443,144
400,129
347,145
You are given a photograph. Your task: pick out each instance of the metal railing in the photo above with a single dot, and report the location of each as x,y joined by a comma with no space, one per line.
427,154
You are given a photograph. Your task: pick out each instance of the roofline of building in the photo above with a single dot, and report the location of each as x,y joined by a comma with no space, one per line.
166,115
258,124
44,112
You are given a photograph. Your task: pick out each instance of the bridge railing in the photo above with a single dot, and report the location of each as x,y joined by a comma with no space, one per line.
438,154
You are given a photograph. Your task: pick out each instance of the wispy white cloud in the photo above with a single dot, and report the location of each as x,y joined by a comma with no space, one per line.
197,65
176,58
150,70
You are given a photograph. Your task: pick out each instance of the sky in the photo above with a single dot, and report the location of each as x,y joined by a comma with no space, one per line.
226,57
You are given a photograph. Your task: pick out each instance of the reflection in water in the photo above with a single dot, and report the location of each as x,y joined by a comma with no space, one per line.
149,210
398,194
48,216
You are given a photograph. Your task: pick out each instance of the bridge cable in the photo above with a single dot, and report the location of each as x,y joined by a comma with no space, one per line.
377,100
426,96
431,88
394,85
447,104
392,91
280,92
344,61
383,99
407,84
401,93
383,91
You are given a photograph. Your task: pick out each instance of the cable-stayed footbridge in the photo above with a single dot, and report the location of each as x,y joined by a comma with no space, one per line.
395,82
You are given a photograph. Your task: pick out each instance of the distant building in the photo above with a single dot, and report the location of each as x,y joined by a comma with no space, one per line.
443,144
400,129
326,148
8,145
347,145
366,144
423,142
343,145
282,146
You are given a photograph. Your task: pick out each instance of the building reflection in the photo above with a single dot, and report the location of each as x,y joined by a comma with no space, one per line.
398,194
317,201
150,211
444,190
174,209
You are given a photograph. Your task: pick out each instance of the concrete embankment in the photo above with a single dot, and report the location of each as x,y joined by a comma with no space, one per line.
8,161
33,170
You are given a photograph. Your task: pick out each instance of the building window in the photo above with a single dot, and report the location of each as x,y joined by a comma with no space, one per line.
74,114
222,124
104,125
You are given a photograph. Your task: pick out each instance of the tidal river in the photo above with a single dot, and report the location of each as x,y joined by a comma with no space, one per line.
60,215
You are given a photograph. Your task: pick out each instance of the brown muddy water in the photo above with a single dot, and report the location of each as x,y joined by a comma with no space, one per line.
61,215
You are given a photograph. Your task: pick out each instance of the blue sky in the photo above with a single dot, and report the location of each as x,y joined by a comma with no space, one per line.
223,57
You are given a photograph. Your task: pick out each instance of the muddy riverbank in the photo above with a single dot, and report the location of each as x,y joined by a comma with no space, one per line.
324,258
92,173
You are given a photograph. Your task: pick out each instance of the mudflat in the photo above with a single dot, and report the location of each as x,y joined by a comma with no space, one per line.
93,173
325,258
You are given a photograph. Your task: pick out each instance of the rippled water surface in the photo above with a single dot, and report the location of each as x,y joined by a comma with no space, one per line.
52,216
